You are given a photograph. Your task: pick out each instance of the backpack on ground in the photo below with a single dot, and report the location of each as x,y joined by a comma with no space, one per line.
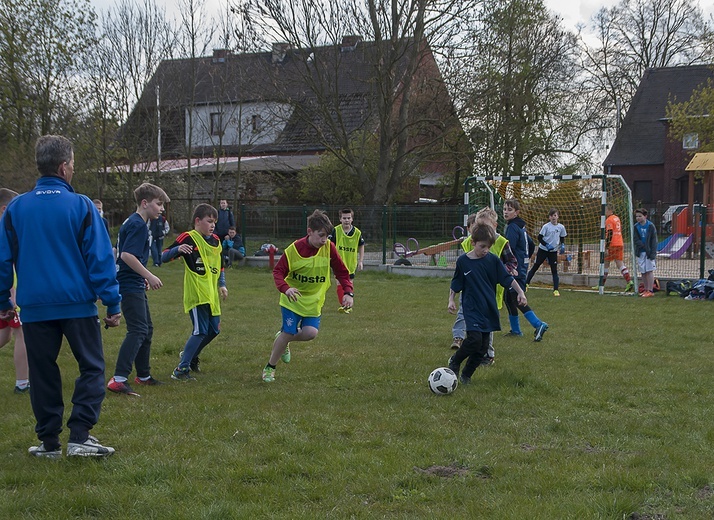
679,287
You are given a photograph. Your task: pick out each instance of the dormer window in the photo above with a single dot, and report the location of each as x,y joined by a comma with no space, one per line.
690,141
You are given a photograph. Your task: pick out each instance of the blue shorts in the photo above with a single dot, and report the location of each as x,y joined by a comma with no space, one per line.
203,320
292,320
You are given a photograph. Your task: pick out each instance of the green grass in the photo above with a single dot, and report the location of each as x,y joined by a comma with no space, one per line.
608,417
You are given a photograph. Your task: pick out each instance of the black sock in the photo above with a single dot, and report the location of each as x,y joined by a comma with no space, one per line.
271,366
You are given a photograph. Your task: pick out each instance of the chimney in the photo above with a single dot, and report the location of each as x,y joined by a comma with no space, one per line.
219,55
349,43
279,51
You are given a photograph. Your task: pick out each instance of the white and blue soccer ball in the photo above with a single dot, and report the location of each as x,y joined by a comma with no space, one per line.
443,381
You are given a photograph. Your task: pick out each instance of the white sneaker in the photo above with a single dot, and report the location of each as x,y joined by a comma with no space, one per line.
89,448
40,451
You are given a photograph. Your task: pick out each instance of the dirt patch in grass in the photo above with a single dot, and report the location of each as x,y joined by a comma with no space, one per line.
705,493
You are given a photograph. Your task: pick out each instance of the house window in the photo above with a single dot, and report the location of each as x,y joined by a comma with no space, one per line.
690,141
256,122
216,123
643,191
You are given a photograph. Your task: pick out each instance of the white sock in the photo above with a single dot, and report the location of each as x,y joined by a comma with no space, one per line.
22,383
120,379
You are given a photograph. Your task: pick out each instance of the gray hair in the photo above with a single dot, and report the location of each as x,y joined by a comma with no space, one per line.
50,152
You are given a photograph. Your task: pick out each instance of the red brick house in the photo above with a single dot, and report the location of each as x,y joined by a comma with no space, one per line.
651,163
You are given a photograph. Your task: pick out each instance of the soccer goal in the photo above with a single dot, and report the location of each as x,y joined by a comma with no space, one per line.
581,201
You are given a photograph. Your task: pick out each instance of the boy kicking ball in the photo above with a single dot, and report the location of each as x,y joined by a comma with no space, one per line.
476,276
302,275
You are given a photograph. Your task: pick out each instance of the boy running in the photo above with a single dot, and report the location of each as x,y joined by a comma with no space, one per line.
204,283
518,239
551,241
302,275
477,274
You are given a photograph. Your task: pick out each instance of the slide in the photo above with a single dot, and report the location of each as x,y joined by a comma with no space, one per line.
664,244
677,247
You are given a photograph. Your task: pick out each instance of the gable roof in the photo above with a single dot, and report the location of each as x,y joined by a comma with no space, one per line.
643,135
344,74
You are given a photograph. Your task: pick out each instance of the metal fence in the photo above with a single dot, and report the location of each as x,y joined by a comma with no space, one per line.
419,226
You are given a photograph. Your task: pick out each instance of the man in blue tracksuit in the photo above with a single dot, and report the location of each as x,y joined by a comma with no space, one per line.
57,291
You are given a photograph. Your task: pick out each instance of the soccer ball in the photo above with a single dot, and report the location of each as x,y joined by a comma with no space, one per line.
443,381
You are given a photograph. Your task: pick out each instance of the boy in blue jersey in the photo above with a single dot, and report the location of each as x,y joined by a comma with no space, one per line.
477,273
518,239
134,278
63,304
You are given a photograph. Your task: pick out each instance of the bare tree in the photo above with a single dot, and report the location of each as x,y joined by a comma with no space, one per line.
137,37
195,36
398,58
638,34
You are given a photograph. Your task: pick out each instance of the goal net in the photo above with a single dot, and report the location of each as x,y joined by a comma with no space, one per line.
580,201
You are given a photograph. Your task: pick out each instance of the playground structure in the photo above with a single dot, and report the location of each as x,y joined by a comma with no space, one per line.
675,246
405,252
687,223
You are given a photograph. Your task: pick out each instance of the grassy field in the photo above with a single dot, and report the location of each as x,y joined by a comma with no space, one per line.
610,416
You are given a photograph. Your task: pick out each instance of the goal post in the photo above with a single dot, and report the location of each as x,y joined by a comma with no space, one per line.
580,200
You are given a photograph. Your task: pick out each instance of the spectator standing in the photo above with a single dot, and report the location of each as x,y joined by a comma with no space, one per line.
82,253
225,220
158,228
645,238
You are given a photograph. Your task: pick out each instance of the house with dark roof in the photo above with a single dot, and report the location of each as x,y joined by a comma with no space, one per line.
272,104
652,164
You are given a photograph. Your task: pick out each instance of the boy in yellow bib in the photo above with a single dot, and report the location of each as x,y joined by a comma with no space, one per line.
203,282
302,275
350,245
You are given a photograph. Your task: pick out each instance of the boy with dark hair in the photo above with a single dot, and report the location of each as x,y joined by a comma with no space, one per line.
134,278
551,240
302,275
350,245
14,326
645,238
232,248
518,239
204,283
477,274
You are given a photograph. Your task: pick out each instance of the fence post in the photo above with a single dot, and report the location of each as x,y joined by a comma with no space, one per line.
702,239
243,226
384,234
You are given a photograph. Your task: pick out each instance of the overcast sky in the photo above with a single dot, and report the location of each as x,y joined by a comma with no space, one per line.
573,12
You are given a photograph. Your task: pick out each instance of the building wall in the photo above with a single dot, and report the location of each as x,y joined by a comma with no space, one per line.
643,173
238,124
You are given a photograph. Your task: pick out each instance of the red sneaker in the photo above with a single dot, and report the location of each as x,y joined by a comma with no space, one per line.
121,388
